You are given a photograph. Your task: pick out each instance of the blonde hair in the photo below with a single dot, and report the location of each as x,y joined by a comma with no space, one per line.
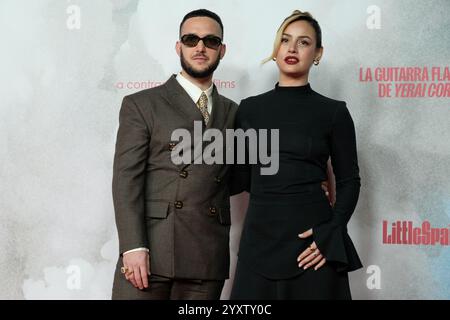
296,15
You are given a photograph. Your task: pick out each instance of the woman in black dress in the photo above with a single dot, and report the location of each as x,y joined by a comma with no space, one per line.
294,245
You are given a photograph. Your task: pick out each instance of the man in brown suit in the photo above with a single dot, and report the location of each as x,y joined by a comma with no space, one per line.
173,220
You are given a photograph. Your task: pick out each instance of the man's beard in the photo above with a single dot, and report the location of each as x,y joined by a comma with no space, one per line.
198,74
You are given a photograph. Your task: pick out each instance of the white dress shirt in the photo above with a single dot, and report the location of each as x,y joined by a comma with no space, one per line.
195,92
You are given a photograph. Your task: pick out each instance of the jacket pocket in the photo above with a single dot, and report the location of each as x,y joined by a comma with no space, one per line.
158,210
224,216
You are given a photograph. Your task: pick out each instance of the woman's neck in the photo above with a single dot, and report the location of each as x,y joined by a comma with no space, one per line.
289,81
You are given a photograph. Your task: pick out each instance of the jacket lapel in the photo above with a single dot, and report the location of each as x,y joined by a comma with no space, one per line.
181,101
218,114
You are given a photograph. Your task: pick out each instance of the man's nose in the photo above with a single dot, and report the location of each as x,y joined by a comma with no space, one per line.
200,46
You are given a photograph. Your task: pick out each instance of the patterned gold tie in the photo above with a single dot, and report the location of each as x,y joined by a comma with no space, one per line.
202,104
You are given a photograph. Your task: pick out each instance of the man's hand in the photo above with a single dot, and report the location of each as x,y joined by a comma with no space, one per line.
137,265
311,256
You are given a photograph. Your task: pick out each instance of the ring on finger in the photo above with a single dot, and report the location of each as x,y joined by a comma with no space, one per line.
126,271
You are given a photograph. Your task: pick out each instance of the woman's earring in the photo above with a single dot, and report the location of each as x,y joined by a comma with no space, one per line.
274,59
316,62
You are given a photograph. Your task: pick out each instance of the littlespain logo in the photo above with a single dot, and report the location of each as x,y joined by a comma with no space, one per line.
405,233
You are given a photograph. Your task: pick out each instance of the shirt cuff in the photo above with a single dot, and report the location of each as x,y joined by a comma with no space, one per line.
135,250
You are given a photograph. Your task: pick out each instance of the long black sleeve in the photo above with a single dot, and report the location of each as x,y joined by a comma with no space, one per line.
344,160
331,237
240,173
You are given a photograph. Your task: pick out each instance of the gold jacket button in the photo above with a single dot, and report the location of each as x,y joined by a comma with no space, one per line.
178,204
184,174
172,146
212,211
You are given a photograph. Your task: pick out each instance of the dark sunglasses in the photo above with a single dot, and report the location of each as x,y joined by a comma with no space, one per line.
210,41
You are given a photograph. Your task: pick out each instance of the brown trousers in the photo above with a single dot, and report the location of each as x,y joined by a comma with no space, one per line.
161,288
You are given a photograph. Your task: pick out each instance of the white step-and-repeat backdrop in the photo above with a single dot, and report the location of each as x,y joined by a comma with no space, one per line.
66,65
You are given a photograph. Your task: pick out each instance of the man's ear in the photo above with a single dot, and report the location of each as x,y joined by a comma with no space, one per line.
178,48
223,50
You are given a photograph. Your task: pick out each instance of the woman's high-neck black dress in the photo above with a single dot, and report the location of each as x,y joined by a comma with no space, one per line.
312,129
